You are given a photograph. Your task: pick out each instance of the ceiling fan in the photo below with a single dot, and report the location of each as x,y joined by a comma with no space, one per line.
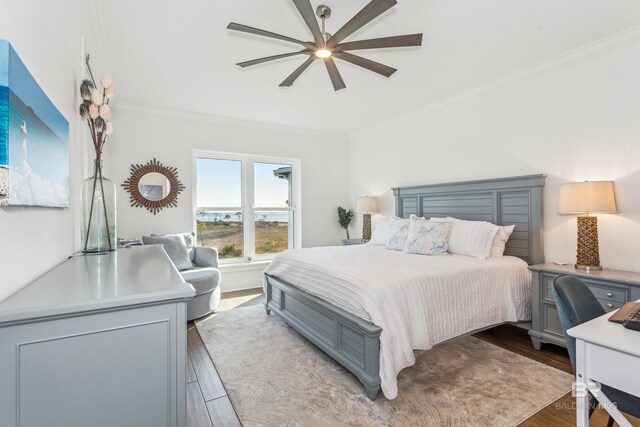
326,46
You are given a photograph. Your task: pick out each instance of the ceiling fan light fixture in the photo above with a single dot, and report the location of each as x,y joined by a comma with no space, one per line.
323,53
326,46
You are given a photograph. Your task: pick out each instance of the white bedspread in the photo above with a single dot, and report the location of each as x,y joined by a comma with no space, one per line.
417,300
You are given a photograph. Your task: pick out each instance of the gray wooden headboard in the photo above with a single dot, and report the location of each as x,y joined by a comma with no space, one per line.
502,201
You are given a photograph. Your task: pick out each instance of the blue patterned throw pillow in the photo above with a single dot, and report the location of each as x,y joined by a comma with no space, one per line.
398,231
427,237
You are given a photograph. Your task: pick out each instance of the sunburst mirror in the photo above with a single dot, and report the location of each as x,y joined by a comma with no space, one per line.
153,186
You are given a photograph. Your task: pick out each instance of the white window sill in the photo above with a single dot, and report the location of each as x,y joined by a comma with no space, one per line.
245,266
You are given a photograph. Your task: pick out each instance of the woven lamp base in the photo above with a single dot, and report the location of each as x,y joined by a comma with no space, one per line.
588,257
366,227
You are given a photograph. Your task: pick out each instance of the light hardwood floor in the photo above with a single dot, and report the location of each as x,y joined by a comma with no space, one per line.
208,404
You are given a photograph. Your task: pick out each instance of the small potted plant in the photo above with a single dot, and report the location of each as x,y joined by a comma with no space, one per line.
344,218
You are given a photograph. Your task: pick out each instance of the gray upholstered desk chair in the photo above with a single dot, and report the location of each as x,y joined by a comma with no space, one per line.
576,304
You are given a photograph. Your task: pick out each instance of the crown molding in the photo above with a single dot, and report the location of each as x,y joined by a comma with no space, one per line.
556,63
176,114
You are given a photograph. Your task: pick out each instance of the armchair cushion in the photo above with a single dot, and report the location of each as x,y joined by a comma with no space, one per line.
203,279
189,239
175,248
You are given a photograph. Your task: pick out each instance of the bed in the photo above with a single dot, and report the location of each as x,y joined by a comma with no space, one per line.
354,325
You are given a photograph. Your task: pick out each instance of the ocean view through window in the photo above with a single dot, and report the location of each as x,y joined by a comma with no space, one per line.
245,206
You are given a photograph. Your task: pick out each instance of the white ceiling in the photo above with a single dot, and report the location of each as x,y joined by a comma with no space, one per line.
179,54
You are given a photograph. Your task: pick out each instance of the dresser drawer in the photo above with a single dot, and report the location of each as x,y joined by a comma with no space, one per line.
608,293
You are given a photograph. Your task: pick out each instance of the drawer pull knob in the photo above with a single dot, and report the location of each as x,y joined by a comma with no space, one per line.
610,305
609,294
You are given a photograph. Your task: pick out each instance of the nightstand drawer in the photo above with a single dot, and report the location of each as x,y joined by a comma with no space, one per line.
603,292
552,320
610,305
547,281
608,293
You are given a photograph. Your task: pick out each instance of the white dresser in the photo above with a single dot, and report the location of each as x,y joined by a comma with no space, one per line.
100,340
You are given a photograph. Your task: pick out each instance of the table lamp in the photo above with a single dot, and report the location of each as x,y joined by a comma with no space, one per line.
366,205
585,198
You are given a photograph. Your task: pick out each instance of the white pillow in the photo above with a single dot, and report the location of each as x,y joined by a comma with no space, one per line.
379,230
427,237
470,238
398,231
500,241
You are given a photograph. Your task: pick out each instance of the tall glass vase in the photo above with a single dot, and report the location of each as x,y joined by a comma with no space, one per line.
98,200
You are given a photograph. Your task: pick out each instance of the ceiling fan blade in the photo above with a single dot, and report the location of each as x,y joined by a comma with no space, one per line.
368,13
293,76
336,78
251,30
374,66
271,58
309,16
381,43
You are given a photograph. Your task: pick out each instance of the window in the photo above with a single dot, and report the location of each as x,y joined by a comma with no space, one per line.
246,206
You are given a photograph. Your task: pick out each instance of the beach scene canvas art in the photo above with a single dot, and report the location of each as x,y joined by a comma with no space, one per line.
34,139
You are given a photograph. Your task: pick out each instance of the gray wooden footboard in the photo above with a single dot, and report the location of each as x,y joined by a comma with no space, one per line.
351,341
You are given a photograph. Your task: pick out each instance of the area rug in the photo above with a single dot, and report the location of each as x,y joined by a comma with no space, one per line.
275,377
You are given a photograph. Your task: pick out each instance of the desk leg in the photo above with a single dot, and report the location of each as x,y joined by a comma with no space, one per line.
610,407
580,391
582,387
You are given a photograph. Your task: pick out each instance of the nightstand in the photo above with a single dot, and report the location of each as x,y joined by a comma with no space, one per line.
612,288
349,242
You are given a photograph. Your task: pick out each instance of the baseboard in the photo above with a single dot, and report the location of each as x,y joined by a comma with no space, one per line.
239,286
524,325
241,280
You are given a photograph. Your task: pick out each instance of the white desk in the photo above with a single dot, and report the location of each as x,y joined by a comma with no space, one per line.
607,353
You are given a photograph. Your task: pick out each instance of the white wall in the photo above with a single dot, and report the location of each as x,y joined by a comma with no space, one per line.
48,38
572,121
142,134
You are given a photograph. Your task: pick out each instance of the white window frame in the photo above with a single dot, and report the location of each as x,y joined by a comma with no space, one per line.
248,209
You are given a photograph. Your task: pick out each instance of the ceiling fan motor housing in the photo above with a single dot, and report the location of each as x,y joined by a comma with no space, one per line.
323,11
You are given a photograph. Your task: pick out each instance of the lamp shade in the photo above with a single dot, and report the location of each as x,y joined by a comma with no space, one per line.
366,204
596,197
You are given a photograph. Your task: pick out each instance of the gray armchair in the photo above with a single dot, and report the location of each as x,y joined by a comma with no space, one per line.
205,278
197,265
